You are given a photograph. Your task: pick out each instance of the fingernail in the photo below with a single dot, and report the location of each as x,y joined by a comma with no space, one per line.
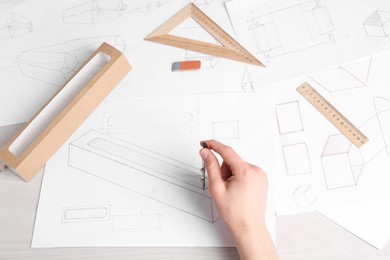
204,144
204,154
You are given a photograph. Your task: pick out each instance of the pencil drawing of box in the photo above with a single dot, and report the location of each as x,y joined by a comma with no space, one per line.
143,171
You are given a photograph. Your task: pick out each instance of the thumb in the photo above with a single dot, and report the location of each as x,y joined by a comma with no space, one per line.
216,182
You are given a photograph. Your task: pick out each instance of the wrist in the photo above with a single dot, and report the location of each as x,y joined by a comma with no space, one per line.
253,242
247,227
245,232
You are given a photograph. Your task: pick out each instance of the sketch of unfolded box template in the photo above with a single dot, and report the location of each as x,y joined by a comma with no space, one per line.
54,64
13,25
122,114
296,159
292,28
141,170
289,118
378,24
345,77
304,196
94,11
342,162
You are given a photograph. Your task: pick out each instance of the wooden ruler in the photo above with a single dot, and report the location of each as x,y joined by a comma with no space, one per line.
333,115
230,48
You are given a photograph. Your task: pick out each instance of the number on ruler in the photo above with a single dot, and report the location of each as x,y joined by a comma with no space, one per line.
332,114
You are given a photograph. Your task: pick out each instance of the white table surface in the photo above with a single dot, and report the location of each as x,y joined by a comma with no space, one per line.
303,236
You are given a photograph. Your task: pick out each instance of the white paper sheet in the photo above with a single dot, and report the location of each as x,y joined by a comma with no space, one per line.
317,167
369,221
130,176
297,37
57,37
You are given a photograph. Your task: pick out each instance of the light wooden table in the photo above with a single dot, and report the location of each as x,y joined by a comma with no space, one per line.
303,236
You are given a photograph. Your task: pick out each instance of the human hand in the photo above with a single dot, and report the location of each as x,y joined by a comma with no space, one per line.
239,190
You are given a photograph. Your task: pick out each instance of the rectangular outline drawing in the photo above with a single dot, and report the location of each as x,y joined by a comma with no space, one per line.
122,114
219,128
171,190
88,211
136,222
161,166
267,29
304,158
341,159
284,113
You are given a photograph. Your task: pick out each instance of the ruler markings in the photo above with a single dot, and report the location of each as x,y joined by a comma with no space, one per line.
333,115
